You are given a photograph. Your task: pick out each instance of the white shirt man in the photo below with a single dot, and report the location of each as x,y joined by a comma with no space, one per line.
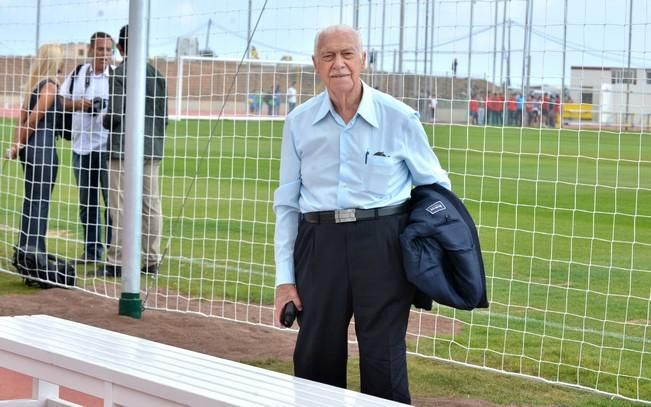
291,98
433,102
88,134
87,98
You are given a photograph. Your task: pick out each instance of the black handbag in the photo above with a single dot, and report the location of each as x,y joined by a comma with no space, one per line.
43,270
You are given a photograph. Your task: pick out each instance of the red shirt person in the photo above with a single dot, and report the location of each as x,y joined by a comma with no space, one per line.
473,109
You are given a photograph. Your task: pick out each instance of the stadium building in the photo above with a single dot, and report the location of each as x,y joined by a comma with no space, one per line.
619,96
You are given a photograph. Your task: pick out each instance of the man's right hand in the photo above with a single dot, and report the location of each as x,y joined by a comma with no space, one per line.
77,105
12,152
284,294
82,105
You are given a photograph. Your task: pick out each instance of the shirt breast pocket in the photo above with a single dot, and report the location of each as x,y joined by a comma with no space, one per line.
378,174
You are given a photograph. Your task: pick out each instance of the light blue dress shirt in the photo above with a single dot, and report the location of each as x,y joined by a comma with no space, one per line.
326,164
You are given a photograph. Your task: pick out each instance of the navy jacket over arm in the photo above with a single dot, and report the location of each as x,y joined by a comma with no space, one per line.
441,252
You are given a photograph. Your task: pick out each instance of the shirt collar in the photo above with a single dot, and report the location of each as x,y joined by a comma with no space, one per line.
366,108
91,71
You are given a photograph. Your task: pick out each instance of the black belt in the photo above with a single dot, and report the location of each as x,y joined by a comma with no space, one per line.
354,215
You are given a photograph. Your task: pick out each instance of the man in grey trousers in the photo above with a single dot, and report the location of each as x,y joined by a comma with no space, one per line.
155,123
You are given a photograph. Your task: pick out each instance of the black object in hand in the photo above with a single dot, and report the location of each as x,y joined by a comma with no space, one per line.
288,315
98,105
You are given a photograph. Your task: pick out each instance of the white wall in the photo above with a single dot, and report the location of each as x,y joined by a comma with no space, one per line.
609,100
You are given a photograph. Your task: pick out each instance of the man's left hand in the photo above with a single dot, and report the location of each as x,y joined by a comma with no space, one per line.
286,293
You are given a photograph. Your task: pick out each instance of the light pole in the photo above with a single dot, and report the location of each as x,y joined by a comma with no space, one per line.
431,39
508,56
503,53
525,49
401,44
426,33
628,64
248,33
416,45
495,42
368,36
472,10
38,25
384,13
562,99
529,43
356,15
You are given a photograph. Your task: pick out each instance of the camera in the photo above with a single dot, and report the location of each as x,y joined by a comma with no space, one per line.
98,105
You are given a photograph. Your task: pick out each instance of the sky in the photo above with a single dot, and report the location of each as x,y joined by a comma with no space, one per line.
596,33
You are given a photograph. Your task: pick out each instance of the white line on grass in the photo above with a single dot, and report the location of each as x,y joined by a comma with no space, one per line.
220,263
566,327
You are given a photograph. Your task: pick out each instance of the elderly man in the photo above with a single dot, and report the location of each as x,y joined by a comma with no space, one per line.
350,157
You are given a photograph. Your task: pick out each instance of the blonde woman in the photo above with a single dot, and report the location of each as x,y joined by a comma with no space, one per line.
34,144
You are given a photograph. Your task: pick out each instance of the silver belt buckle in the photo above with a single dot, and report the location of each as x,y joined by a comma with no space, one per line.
345,215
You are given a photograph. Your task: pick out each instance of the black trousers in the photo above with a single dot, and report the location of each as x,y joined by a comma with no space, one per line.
40,164
355,269
92,179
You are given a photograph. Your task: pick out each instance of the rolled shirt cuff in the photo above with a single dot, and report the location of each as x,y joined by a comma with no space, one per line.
285,273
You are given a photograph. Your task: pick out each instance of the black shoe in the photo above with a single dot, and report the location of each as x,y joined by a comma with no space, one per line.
152,269
86,259
109,271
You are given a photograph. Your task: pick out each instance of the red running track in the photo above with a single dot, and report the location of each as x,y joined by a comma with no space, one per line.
18,386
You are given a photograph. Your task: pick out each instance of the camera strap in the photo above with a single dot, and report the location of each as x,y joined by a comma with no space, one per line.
87,79
73,77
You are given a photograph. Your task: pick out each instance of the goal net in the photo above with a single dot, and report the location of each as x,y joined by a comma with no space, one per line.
226,88
539,110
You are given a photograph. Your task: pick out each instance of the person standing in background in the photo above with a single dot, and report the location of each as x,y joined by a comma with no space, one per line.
500,108
520,109
511,110
544,109
528,106
254,53
276,100
267,99
433,103
481,110
554,110
154,137
35,145
291,97
473,110
88,99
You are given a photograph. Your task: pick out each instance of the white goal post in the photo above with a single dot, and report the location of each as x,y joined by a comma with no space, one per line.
213,87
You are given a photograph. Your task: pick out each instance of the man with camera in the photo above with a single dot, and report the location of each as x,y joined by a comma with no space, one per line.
85,92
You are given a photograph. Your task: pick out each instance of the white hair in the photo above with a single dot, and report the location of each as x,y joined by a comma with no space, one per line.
337,27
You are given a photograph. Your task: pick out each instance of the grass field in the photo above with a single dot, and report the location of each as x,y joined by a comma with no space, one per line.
564,219
565,224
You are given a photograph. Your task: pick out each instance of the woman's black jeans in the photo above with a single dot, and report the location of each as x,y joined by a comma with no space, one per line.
40,165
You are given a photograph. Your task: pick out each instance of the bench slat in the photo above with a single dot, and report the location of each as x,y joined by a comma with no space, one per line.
167,372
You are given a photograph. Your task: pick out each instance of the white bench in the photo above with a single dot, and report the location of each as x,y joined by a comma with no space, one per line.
128,371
